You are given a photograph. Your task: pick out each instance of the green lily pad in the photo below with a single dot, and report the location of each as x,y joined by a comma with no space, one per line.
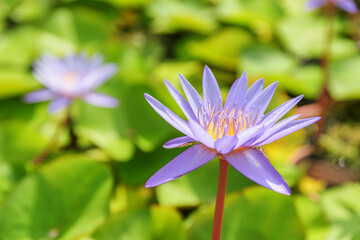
266,61
92,25
12,45
305,35
258,15
148,128
20,142
147,224
173,16
225,46
14,83
49,205
128,3
344,83
341,206
103,127
312,216
30,10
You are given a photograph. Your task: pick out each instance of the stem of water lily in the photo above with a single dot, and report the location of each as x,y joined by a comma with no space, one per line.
220,199
73,138
52,143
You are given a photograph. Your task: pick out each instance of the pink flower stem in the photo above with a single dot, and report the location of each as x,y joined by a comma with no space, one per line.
220,199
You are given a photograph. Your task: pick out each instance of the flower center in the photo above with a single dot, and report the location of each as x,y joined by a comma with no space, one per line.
227,122
70,79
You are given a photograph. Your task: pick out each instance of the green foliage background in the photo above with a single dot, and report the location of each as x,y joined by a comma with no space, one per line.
96,191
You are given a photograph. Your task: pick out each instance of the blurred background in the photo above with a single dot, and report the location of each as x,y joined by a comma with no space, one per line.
95,188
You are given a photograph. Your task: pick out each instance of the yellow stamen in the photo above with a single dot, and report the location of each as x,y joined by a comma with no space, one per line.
225,123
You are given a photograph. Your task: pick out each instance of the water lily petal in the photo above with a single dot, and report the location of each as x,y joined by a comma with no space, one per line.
237,93
225,144
290,128
254,90
200,134
254,164
312,4
274,115
48,76
261,102
97,77
211,90
59,103
38,96
101,100
275,129
192,96
178,142
169,116
180,100
347,5
246,137
192,158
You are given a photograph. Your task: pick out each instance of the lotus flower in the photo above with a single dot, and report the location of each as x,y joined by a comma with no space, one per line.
234,131
71,77
346,5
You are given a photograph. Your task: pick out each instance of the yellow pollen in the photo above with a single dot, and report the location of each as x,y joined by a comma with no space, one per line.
227,123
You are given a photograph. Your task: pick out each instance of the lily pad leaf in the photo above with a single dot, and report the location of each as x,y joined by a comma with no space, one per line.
56,202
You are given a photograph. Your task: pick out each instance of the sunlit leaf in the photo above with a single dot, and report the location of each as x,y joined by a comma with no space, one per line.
14,51
14,83
225,47
30,10
260,16
173,16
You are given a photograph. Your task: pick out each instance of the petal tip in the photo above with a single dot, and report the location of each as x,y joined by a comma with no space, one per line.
282,188
207,71
286,191
317,119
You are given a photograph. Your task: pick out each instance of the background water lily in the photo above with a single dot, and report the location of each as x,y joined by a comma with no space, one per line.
234,131
71,77
346,5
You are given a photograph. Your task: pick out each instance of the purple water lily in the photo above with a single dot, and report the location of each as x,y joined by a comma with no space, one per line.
346,5
234,131
71,77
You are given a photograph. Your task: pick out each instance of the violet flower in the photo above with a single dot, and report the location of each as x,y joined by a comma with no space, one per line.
234,131
346,5
71,77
